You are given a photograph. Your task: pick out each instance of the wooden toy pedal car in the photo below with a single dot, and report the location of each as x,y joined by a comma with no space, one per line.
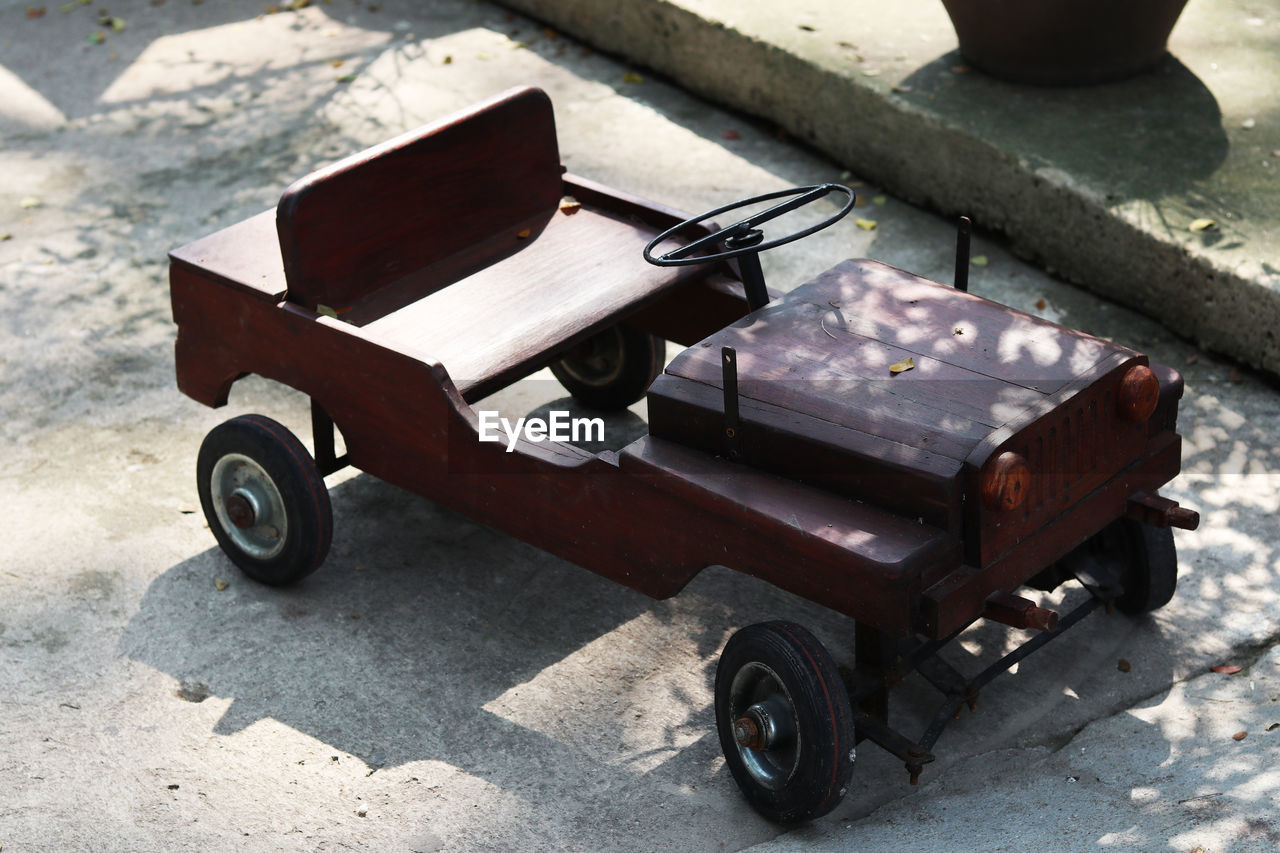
399,286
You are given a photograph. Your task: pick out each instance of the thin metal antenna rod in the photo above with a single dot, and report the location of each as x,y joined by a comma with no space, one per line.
729,374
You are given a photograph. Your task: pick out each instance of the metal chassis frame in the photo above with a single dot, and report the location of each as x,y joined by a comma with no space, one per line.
881,662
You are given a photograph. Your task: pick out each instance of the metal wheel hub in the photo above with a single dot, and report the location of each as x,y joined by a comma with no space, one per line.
597,361
764,725
241,509
248,506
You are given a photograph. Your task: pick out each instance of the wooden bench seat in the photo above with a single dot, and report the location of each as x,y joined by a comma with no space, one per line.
581,274
450,244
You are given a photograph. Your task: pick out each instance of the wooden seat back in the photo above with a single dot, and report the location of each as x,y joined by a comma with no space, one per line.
434,204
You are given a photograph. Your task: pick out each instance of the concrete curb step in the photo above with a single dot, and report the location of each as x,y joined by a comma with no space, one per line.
1099,184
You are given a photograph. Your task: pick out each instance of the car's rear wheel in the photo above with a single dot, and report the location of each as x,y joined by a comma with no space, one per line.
784,721
611,369
264,499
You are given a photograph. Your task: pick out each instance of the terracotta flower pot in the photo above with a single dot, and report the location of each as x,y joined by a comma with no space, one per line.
1063,42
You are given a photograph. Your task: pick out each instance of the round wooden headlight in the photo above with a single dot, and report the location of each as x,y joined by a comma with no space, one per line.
1005,482
1139,393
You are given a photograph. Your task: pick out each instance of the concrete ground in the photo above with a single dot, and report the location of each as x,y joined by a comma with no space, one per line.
439,686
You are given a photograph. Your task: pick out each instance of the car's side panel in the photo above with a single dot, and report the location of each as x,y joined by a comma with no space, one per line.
651,524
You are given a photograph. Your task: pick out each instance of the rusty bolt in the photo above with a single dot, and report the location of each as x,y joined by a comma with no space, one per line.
747,733
240,511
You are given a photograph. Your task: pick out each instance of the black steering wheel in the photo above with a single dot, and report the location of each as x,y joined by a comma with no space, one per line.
743,237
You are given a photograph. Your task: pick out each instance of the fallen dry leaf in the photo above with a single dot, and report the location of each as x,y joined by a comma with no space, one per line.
1123,665
1273,727
979,260
1202,225
1228,668
570,205
880,200
866,224
523,234
1040,303
902,366
336,63
1239,735
219,584
632,77
961,69
35,12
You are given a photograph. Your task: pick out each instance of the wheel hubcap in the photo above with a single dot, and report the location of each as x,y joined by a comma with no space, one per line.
764,725
597,361
241,511
248,506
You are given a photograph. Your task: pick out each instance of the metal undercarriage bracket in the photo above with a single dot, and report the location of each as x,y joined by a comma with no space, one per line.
868,686
322,430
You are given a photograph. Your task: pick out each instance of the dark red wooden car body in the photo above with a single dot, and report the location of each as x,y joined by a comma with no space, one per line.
454,272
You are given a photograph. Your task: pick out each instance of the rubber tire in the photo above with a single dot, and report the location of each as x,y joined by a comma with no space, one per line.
823,719
642,355
1150,572
308,513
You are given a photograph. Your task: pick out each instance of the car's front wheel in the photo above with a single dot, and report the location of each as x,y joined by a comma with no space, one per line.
784,721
